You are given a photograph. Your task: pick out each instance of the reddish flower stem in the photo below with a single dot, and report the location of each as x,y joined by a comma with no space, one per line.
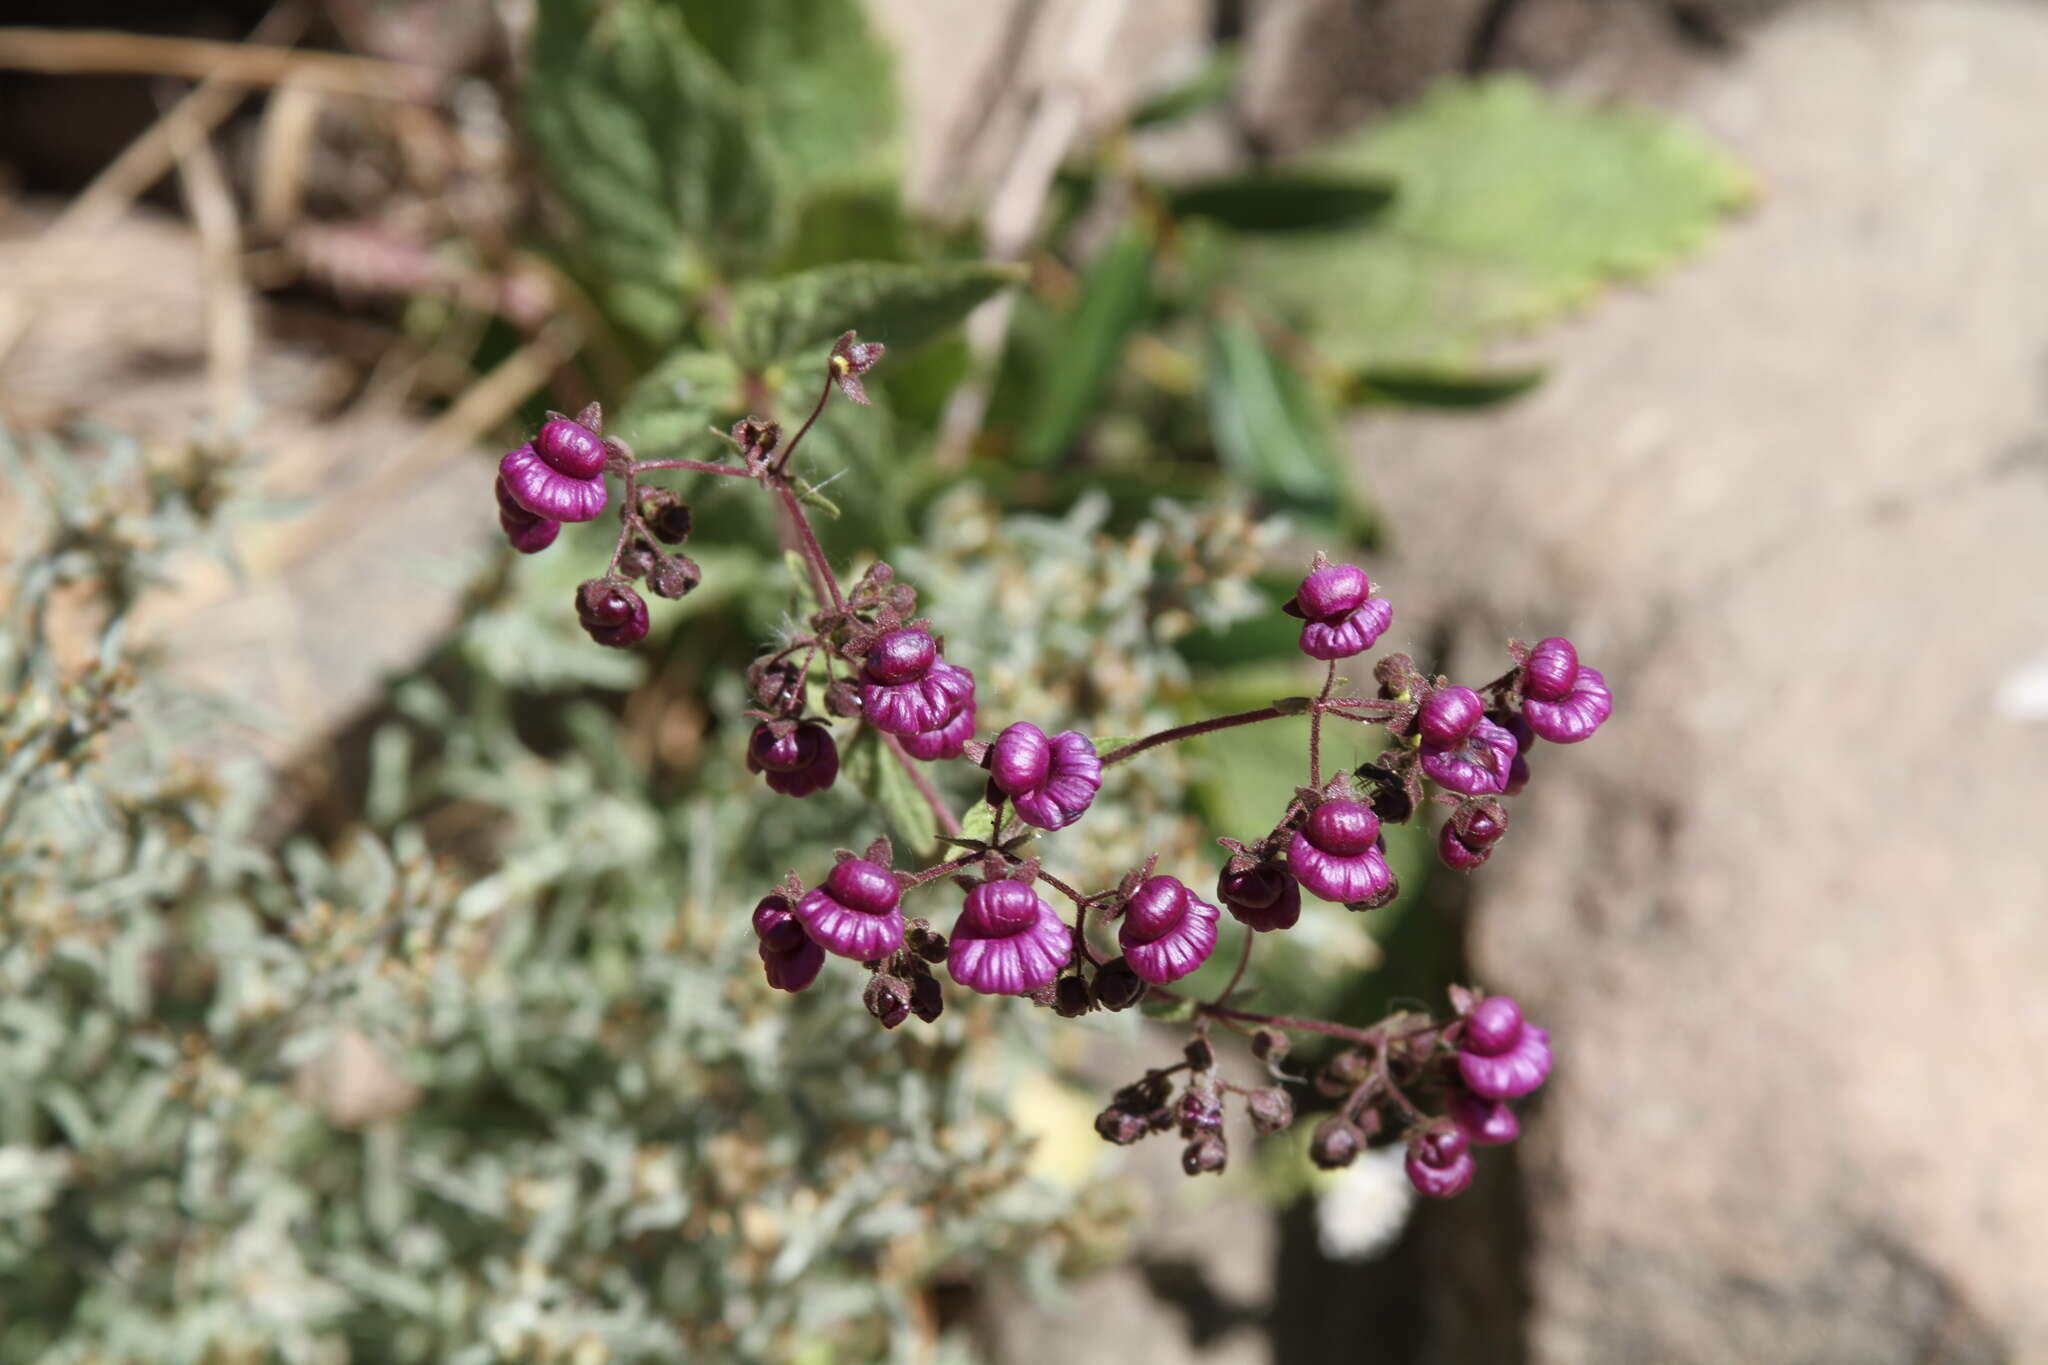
693,466
1181,732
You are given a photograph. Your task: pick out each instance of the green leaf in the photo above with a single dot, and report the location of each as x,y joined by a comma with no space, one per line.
902,306
1430,386
880,776
672,409
657,155
820,78
1276,201
979,823
1515,205
1205,89
1087,345
1270,429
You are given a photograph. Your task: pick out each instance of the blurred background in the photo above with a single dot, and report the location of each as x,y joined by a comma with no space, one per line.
375,977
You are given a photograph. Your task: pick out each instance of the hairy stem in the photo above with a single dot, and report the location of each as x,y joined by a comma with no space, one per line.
1181,732
947,824
693,466
1315,728
822,576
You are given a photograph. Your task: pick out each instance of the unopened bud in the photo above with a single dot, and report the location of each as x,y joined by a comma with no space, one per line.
1121,1126
1337,1143
888,999
1200,1055
1116,986
1270,1045
673,576
1270,1110
1070,998
1206,1155
842,699
927,1001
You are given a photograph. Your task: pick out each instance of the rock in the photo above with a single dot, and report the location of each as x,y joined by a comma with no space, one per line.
1784,916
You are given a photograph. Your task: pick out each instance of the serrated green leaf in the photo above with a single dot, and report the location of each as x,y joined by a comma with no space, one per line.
819,76
1514,205
657,155
902,306
1270,429
1275,201
671,410
1430,386
880,776
1087,344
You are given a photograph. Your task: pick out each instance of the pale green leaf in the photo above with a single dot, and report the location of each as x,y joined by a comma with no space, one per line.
881,777
1514,205
901,306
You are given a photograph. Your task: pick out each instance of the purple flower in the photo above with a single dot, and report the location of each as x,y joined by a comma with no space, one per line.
804,761
1525,740
1265,897
1167,930
1551,669
1461,749
1051,782
1488,1123
906,689
946,740
1008,941
788,955
1440,1160
854,913
612,613
1500,1056
1456,853
546,492
528,533
1577,713
1340,615
570,448
1448,715
1336,853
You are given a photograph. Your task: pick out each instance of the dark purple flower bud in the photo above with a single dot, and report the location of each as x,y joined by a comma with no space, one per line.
1500,1055
1336,855
1008,941
1121,1126
611,613
927,1001
1200,1054
1265,897
788,956
1440,1160
925,942
1340,615
855,912
804,761
1344,1072
1070,999
570,448
673,576
1477,765
1206,1155
1337,1143
636,560
1270,1045
907,690
1270,1110
842,699
1525,740
528,533
888,999
1552,668
1449,715
1116,986
1578,715
546,492
1489,1123
1456,852
947,740
1051,782
1167,930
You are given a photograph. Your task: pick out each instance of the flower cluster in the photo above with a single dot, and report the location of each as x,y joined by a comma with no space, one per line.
880,673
